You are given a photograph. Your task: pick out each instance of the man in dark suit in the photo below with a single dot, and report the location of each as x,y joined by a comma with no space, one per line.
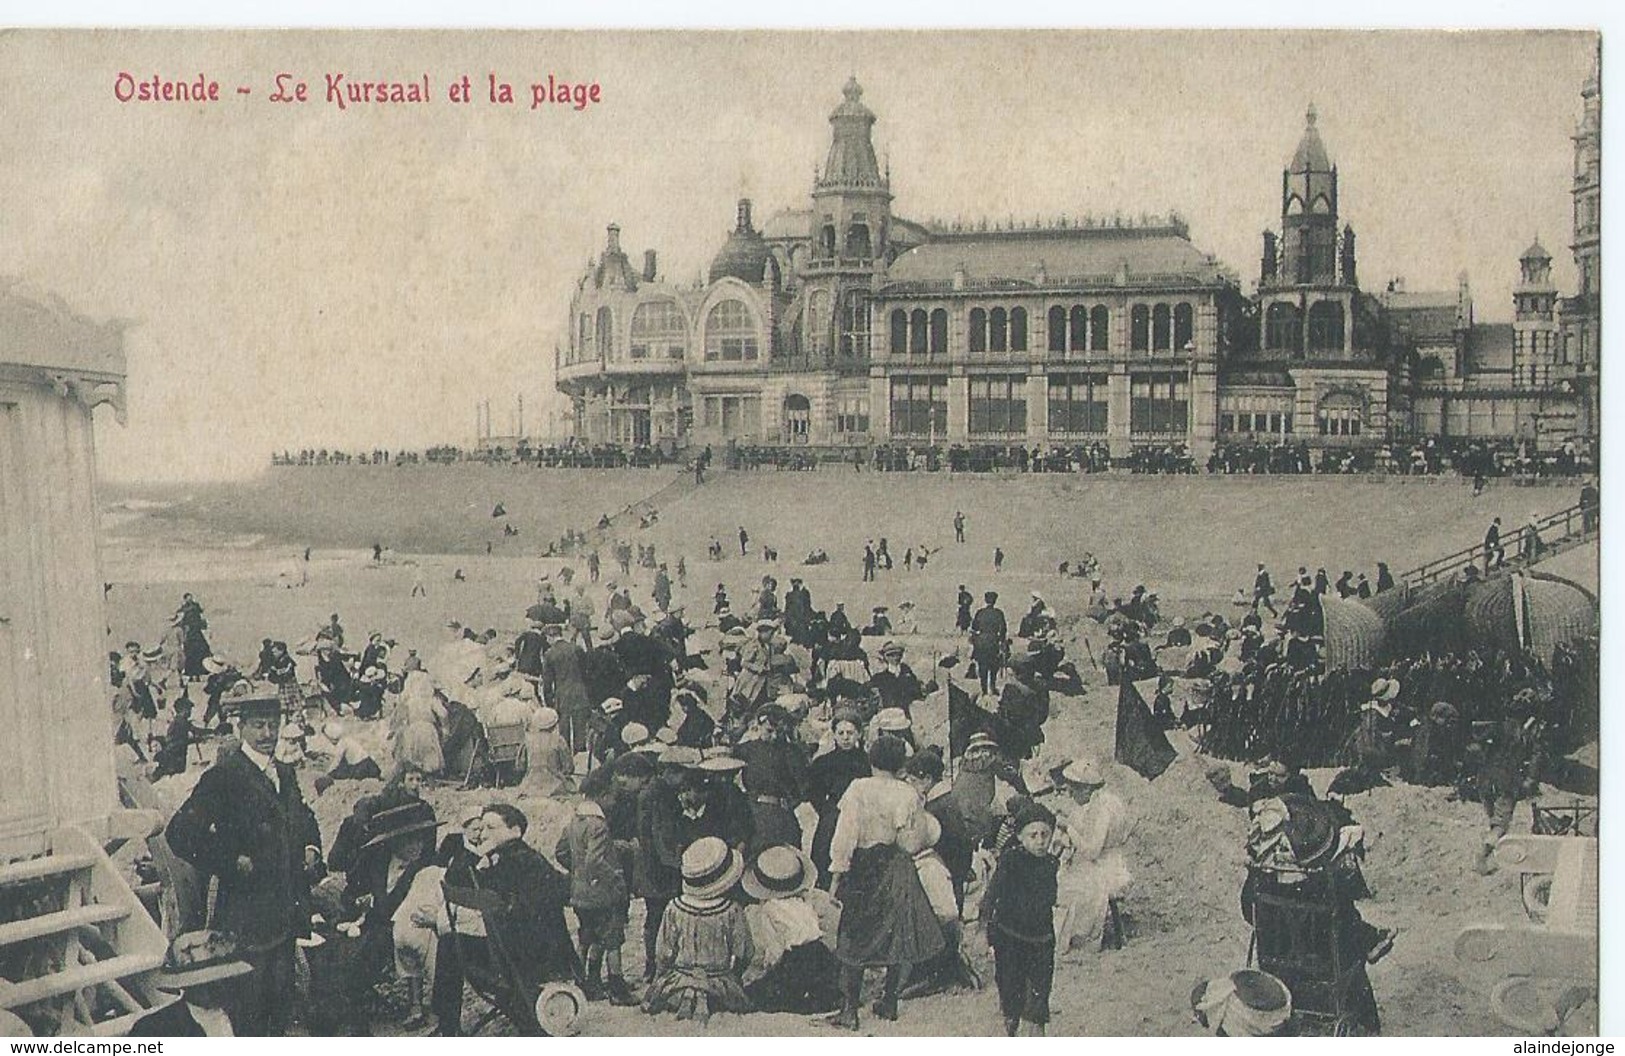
247,825
529,897
988,633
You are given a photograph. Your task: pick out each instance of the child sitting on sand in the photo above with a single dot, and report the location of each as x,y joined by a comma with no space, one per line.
704,942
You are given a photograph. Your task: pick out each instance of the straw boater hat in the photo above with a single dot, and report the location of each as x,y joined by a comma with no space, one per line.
198,957
245,698
892,720
717,761
1083,771
546,719
634,734
214,665
981,739
611,705
558,1009
766,625
779,872
404,820
891,649
153,655
682,755
710,868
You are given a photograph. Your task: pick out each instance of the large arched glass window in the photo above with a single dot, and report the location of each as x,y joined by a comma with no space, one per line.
730,332
658,330
917,337
1057,329
1139,325
1283,327
818,329
1325,326
1100,319
977,338
1184,324
998,330
939,332
899,331
1018,329
1161,333
606,333
1080,328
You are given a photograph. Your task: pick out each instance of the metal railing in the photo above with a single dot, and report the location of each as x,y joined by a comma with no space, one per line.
1556,532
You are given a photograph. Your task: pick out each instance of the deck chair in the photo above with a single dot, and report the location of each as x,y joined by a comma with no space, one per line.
487,964
501,754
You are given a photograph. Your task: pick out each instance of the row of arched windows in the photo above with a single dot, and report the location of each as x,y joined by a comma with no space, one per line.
919,334
1284,327
1160,327
998,330
1079,329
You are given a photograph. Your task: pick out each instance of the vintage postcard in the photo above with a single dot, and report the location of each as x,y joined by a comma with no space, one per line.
976,533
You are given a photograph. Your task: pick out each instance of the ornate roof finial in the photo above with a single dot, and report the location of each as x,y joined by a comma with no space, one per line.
1311,114
853,90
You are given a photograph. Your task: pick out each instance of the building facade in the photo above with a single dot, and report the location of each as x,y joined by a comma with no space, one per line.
841,323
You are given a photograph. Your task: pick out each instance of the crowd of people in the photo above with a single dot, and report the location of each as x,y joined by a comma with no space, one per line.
760,780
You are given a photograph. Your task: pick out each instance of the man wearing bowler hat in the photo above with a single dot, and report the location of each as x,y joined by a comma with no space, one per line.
247,826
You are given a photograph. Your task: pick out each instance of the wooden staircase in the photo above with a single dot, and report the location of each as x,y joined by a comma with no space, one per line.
76,945
1559,532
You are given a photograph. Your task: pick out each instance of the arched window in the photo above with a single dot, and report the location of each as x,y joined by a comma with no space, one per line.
826,241
1057,329
1018,329
1283,327
899,331
998,330
818,323
730,332
1294,205
857,241
657,330
1080,328
1326,326
1322,204
855,322
939,332
917,337
978,330
1341,414
606,332
1184,325
1100,319
1160,333
1139,325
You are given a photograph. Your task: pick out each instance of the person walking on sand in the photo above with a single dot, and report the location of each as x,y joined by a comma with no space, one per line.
959,526
998,559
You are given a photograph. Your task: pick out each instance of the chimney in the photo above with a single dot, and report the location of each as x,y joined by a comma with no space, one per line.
614,240
744,215
648,265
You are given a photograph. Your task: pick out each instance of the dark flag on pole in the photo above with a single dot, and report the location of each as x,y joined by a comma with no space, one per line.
1141,744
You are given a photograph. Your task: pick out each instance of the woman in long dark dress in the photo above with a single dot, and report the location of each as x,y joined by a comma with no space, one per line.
827,778
886,917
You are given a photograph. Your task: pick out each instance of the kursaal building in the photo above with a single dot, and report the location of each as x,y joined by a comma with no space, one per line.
843,323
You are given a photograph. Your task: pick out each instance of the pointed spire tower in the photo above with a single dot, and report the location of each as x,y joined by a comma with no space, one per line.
850,225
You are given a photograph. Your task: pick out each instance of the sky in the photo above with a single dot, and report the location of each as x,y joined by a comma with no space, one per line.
296,275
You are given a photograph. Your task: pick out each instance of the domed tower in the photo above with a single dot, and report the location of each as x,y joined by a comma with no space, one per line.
1534,326
1306,284
745,256
851,218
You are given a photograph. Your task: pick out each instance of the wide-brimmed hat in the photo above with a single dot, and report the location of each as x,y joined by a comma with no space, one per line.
214,665
546,719
766,625
1385,688
153,655
559,1008
1310,828
682,755
710,868
245,698
717,761
634,734
198,957
781,871
1083,771
404,820
891,649
892,720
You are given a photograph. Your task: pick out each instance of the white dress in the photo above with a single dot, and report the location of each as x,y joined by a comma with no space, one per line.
1089,840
